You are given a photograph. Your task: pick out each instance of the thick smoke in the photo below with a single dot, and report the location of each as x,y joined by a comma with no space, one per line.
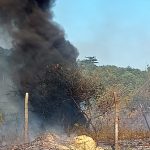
37,43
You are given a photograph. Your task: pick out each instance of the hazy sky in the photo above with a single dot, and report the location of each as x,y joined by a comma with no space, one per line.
117,32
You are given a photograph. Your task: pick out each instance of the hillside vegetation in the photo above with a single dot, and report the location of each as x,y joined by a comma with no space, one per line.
126,81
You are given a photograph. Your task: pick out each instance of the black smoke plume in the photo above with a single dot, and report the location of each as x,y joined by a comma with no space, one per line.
40,58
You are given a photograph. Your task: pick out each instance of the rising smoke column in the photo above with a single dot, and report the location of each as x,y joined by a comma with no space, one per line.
38,42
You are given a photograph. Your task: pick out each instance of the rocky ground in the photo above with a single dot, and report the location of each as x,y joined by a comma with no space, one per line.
53,142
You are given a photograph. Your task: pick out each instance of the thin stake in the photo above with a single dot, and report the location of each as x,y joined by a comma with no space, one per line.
116,121
26,117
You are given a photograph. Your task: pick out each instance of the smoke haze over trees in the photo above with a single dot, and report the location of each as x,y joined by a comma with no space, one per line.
43,63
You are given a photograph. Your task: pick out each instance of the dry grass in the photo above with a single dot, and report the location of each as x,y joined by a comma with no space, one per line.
106,134
126,134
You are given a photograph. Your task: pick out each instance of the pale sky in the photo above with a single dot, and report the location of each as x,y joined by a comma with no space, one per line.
116,32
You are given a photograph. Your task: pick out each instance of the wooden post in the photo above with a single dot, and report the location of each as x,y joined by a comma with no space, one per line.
26,116
116,121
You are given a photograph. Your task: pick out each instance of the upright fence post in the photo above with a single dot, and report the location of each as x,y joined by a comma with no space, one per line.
116,100
26,116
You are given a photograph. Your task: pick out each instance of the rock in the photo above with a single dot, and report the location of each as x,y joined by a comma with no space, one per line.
84,142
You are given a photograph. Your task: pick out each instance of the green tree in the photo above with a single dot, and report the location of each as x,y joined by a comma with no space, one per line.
88,64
